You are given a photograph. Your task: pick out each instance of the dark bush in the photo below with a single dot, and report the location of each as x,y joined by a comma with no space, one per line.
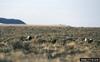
5,60
5,49
18,45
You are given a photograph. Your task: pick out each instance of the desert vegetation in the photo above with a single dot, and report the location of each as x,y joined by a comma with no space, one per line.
48,43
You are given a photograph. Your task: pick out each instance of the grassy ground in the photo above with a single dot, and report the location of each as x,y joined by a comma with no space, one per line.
48,43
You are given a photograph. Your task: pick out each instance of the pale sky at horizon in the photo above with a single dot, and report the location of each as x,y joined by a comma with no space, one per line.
67,12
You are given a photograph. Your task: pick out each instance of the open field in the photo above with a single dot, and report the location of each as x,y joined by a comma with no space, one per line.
48,43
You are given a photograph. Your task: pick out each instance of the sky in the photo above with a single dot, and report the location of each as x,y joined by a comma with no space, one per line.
84,13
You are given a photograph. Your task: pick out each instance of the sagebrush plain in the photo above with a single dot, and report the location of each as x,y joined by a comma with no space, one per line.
48,43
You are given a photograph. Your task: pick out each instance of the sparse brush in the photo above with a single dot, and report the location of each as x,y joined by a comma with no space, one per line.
62,44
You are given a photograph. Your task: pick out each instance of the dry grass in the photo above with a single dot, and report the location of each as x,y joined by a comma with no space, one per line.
48,44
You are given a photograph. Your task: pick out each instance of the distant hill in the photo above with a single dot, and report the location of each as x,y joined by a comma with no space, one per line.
11,21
